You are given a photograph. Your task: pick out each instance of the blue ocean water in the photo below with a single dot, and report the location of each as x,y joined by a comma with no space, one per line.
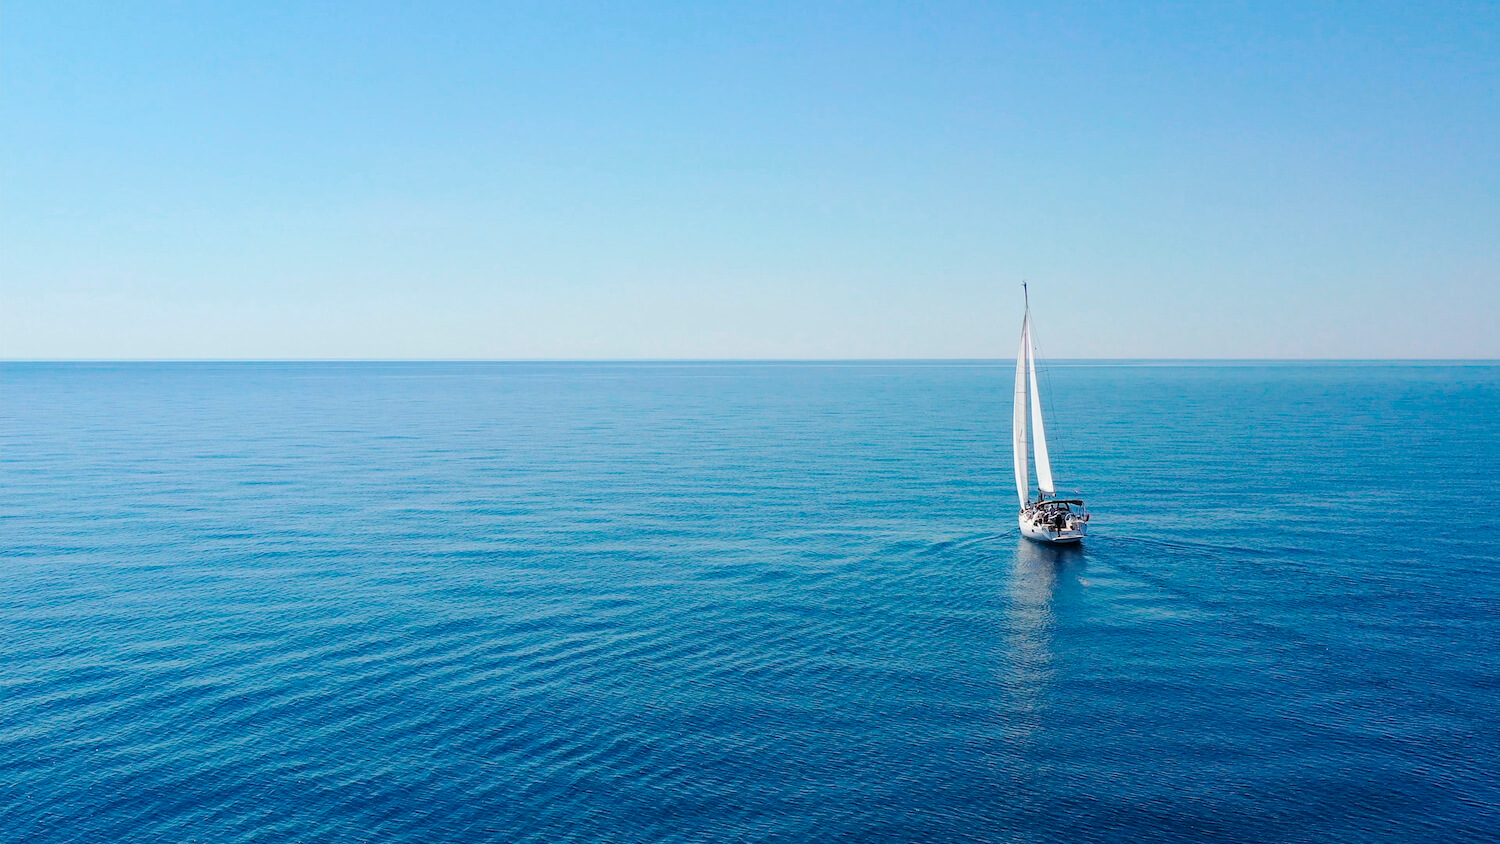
745,602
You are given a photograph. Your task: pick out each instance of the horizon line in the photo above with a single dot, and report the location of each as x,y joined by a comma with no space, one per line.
665,360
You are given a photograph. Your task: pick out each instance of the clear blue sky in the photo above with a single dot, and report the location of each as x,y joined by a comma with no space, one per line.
404,180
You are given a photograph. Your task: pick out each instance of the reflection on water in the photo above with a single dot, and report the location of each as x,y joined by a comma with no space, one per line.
1038,574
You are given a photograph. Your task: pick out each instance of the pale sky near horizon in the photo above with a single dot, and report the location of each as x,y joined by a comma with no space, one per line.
789,180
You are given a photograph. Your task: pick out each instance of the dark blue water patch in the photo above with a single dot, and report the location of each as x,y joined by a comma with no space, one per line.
784,602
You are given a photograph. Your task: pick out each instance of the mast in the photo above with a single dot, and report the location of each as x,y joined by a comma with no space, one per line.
1018,426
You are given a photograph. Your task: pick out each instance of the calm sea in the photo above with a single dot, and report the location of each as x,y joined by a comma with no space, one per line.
745,602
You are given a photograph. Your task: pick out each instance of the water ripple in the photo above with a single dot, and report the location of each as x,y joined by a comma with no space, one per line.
713,602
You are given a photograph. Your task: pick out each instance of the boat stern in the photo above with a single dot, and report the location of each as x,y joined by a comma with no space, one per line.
1057,522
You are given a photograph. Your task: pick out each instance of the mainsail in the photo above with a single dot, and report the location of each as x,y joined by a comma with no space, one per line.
1039,441
1018,429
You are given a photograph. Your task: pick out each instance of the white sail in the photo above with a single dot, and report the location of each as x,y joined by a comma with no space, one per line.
1023,477
1039,439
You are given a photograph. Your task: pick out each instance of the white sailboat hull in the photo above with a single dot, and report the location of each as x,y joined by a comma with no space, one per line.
1043,533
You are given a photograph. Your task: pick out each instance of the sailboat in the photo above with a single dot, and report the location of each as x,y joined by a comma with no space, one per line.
1048,518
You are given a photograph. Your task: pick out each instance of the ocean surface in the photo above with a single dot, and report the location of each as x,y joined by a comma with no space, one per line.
286,602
